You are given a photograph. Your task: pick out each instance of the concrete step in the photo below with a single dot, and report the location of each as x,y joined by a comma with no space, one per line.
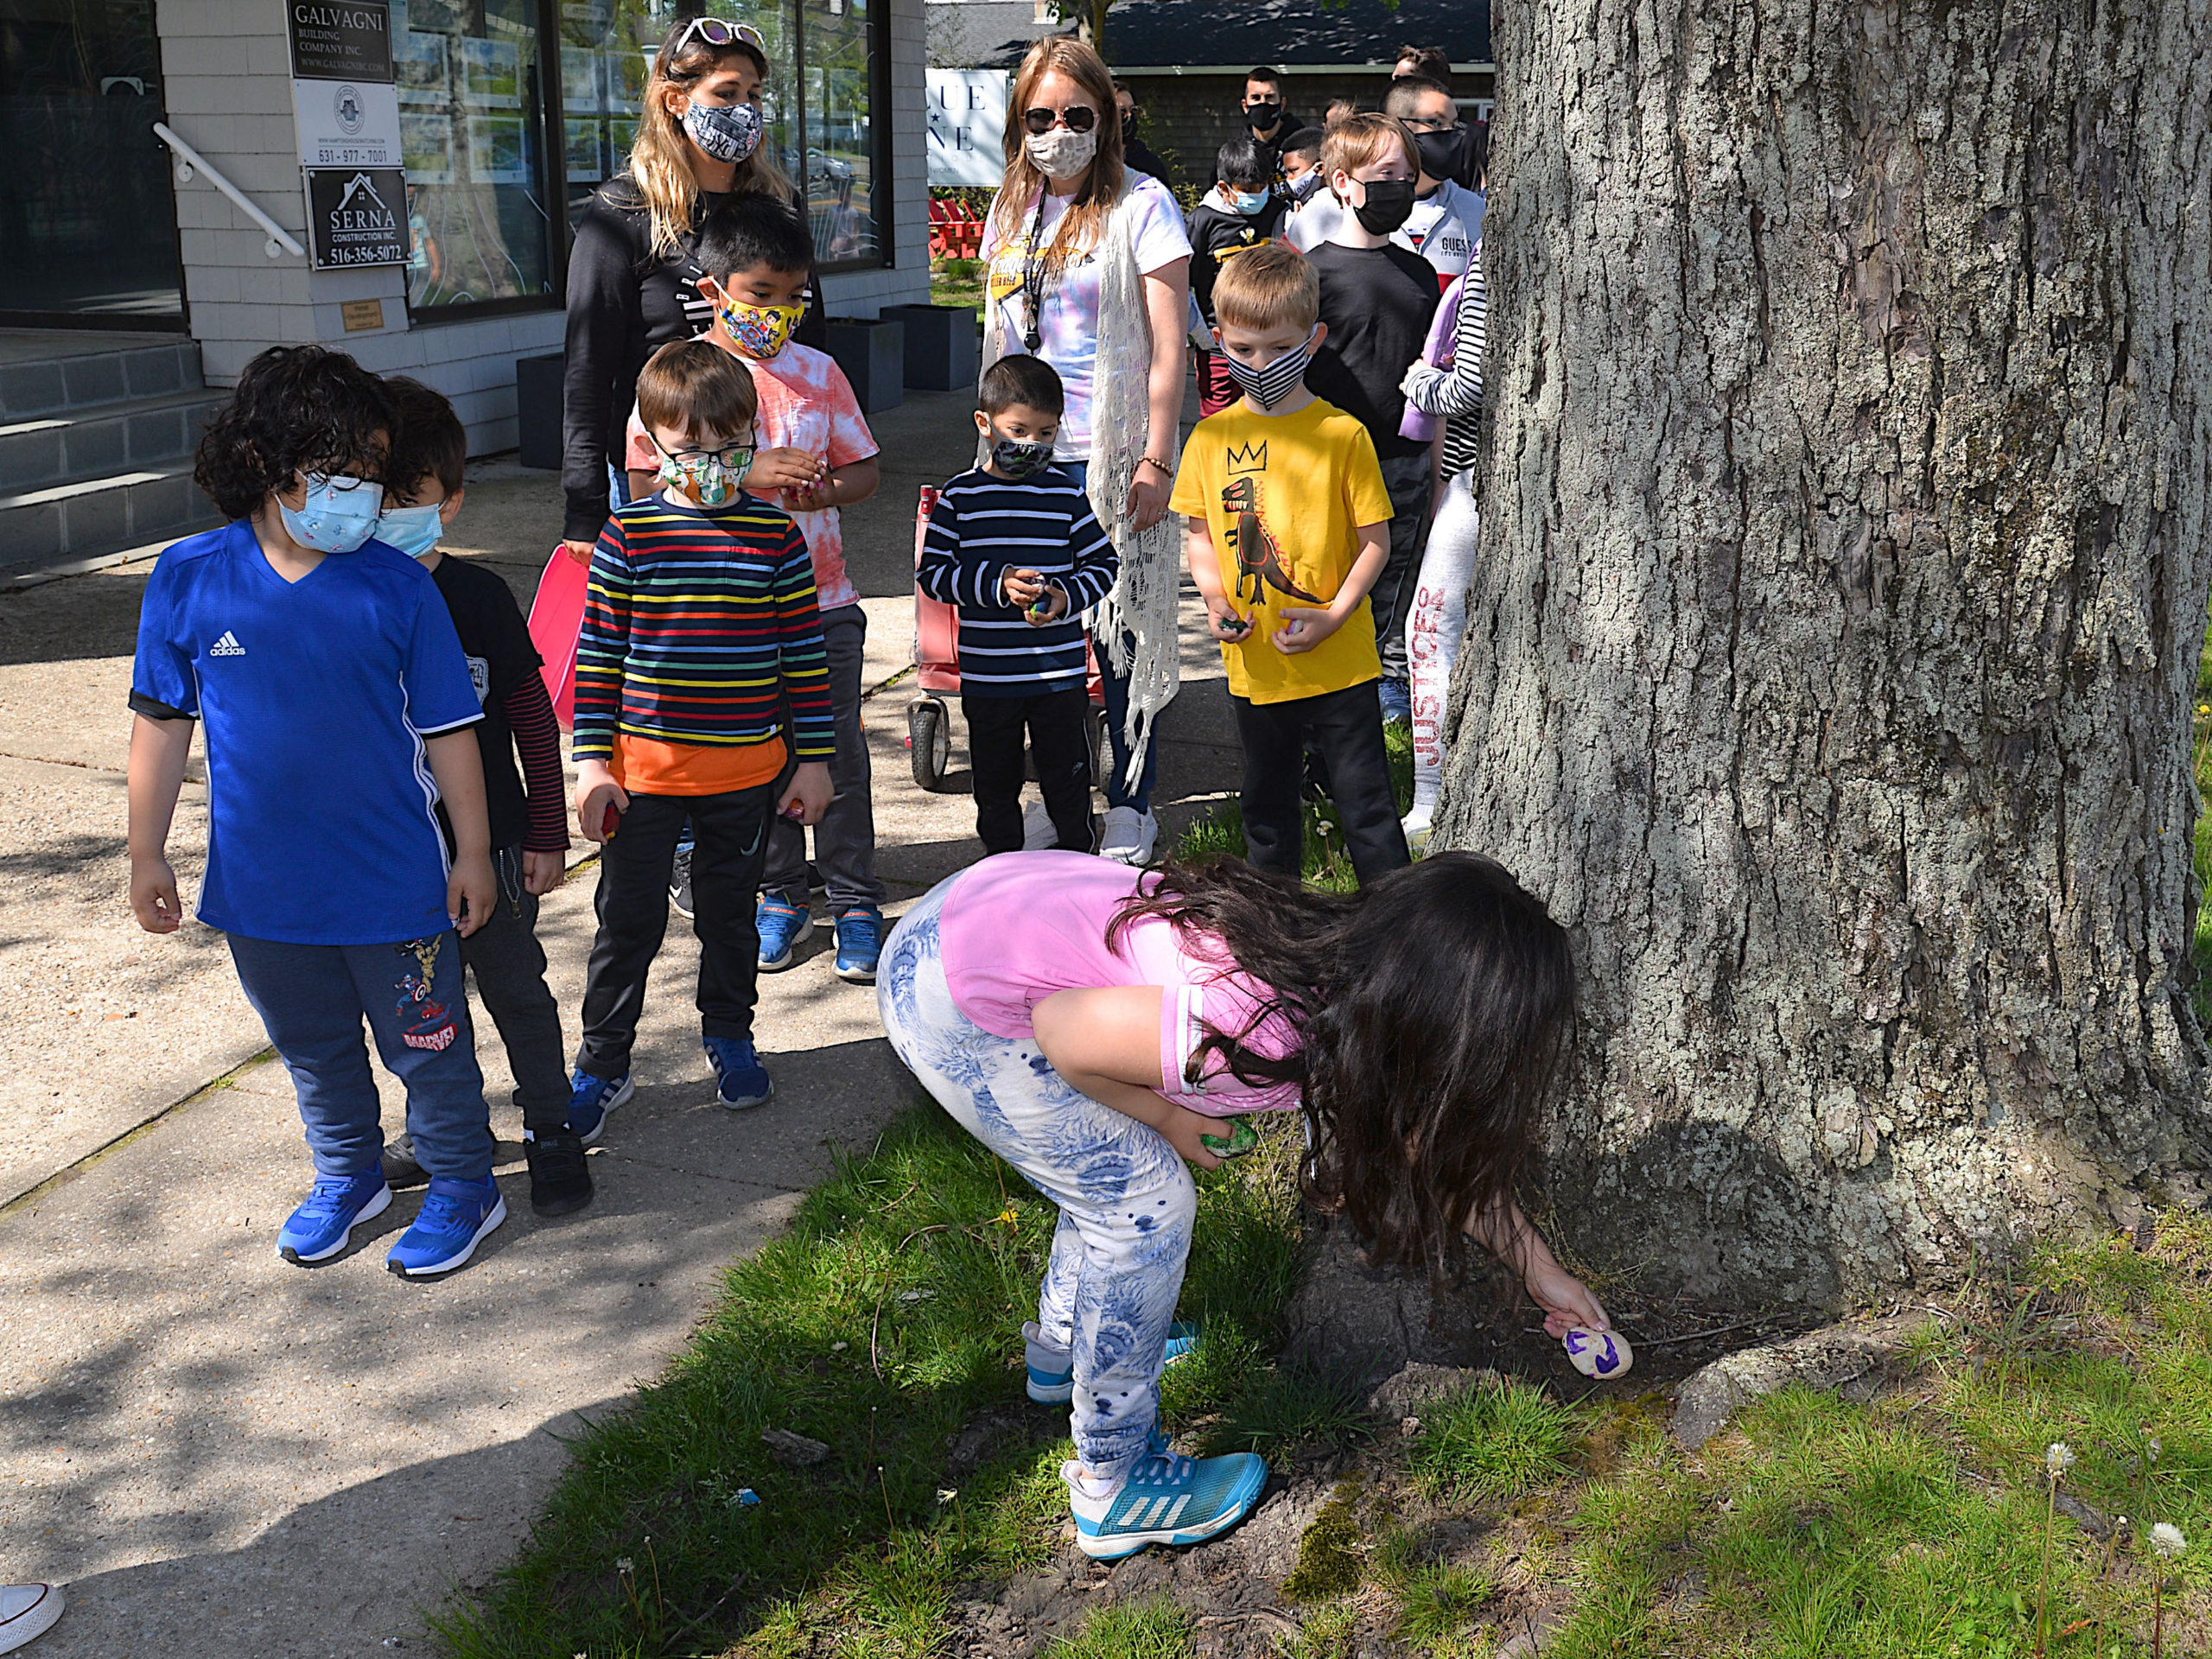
80,374
93,516
103,440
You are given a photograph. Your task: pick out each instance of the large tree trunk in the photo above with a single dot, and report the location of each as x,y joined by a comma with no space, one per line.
1830,657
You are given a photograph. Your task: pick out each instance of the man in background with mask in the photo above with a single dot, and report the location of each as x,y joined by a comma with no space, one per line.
1377,300
1134,150
1445,225
1265,114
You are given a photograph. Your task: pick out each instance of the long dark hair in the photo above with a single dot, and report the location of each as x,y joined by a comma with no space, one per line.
1433,1006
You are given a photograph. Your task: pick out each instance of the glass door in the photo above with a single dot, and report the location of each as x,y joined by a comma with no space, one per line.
87,216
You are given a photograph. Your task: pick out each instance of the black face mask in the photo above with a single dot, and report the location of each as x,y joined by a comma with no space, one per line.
1442,154
1129,125
1020,457
1388,202
1263,117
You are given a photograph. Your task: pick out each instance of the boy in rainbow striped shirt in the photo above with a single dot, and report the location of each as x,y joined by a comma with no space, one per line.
701,635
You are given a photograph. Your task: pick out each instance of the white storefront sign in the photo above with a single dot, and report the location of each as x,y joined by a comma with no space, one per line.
346,123
967,122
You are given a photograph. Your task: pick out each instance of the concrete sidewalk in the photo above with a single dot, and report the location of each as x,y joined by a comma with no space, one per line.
224,1455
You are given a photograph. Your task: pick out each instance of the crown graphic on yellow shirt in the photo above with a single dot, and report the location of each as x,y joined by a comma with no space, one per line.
1250,459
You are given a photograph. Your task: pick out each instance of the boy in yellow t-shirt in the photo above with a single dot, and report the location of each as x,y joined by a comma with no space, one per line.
1289,527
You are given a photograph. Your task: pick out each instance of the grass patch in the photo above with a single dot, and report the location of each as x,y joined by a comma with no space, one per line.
1914,1525
1328,860
885,1322
1491,1443
957,282
1145,1630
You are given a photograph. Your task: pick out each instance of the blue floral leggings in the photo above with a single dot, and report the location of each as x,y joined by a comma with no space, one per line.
1127,1203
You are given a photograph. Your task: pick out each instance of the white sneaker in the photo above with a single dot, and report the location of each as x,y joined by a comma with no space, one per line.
26,1611
1416,826
1130,836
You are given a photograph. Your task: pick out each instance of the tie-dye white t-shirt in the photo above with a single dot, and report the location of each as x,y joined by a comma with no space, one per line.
1067,324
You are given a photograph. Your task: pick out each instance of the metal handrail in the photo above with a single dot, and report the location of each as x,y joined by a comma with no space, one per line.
280,242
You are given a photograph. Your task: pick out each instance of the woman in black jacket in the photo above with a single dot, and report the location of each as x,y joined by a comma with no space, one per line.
633,283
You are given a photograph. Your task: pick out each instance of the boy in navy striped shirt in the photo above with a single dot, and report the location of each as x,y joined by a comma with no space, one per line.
1014,544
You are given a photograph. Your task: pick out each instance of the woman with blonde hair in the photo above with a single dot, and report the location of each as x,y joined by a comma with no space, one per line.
1089,269
633,282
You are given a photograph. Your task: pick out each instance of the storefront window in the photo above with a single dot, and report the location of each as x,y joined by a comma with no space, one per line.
476,97
841,154
472,116
607,48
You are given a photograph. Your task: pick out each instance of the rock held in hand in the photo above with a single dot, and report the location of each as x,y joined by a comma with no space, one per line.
1598,1353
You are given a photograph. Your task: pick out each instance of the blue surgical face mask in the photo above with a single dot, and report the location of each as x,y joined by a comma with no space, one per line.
1249,202
338,514
413,530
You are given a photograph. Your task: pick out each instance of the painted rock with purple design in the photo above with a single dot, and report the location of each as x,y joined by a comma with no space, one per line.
1598,1353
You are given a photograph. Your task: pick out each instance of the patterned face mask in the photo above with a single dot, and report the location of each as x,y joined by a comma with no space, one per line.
1020,457
729,132
336,513
710,478
759,331
1271,383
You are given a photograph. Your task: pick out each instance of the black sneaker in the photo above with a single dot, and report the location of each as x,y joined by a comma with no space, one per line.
400,1168
679,883
560,1176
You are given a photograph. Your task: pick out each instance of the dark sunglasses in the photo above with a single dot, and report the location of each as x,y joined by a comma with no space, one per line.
1078,117
717,33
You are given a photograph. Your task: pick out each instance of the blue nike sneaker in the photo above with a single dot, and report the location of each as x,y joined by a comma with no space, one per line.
1167,1499
1050,1387
740,1078
782,926
859,943
321,1227
590,1099
453,1220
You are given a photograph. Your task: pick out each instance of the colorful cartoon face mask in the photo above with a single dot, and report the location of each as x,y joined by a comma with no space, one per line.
729,132
337,515
759,331
710,478
413,530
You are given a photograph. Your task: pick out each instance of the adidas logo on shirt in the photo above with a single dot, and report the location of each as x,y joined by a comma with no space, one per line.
226,646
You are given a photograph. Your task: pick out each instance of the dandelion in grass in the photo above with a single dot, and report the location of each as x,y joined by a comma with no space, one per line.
2166,1545
625,1565
2057,1459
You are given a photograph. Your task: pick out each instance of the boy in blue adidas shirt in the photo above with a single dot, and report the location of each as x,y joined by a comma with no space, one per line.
338,708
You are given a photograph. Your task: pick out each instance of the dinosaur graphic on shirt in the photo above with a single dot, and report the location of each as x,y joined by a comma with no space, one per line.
1258,559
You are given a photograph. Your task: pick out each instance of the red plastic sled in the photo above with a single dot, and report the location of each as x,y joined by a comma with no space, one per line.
556,617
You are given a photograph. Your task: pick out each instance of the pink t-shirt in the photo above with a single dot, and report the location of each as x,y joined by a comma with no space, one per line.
806,403
1017,928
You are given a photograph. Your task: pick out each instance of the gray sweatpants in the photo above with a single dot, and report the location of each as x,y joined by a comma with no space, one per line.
844,842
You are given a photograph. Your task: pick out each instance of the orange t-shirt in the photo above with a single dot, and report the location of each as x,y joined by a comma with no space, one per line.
648,766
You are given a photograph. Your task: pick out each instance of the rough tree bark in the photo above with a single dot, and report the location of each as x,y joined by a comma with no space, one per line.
1849,529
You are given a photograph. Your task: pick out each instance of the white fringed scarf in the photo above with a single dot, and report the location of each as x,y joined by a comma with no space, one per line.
1135,624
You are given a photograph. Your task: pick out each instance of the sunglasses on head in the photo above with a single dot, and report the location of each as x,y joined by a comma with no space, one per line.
1078,117
717,33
